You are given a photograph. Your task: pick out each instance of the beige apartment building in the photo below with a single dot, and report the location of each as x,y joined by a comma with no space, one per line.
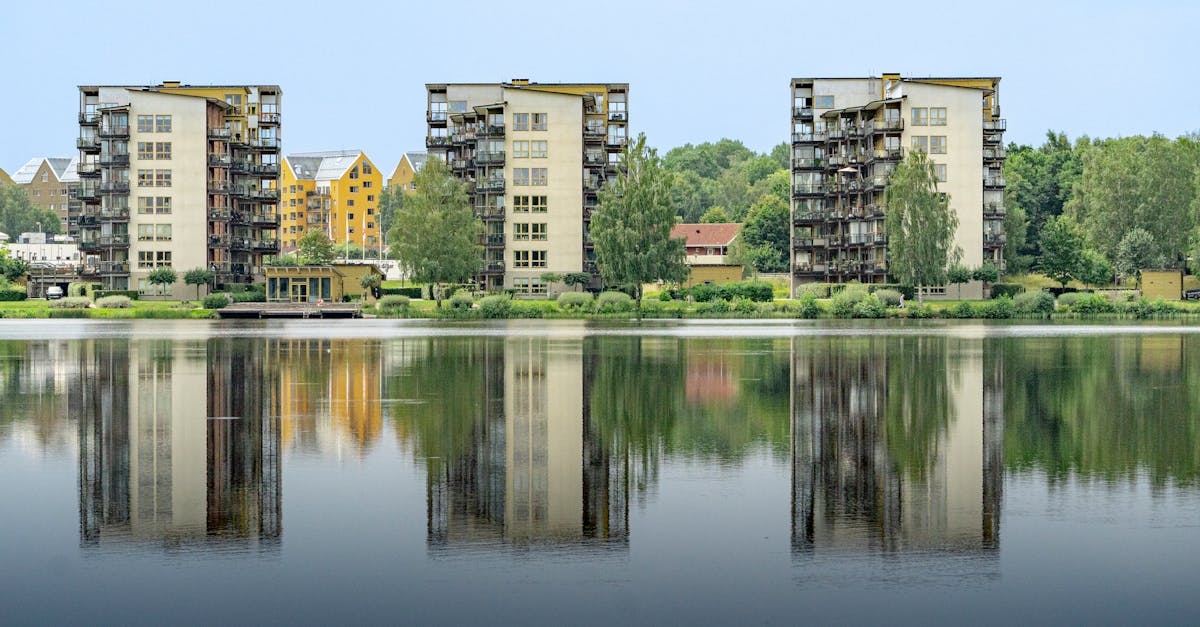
49,182
848,134
534,157
181,176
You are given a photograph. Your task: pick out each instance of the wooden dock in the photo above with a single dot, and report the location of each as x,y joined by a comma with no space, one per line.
291,310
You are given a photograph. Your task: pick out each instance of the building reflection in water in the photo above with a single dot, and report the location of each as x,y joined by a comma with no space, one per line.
896,445
160,464
329,393
530,469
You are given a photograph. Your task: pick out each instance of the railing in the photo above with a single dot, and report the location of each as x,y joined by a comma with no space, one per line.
492,130
220,161
593,132
268,118
808,163
993,238
220,134
812,268
589,159
114,187
802,112
110,241
885,126
88,192
616,141
264,245
107,131
835,133
112,215
264,169
435,116
808,190
993,181
218,241
879,180
432,142
993,209
493,240
90,118
88,168
993,138
493,267
490,185
114,160
490,157
88,143
893,154
617,116
113,267
835,160
219,187
265,143
991,154
995,125
810,216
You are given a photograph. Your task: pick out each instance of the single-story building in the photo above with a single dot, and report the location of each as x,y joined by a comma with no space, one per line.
329,283
707,252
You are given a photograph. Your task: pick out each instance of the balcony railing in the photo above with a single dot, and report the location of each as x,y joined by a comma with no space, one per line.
88,144
493,267
617,116
89,118
111,215
220,161
434,142
110,241
491,240
492,130
994,154
264,169
88,192
268,118
113,267
264,219
616,141
488,186
892,154
885,126
993,210
219,214
808,163
265,143
593,132
114,187
993,138
993,181
114,132
436,116
995,125
809,189
993,239
111,160
802,113
88,168
490,157
219,187
220,134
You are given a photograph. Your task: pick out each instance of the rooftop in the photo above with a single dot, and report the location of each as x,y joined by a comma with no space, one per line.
720,234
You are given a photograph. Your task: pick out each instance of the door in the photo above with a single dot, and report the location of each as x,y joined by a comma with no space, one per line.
299,292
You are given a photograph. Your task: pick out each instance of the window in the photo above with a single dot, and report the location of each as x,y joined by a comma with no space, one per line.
367,169
537,231
45,177
370,197
520,176
354,173
538,259
145,123
162,232
825,102
937,144
939,172
529,286
350,203
520,149
520,231
291,189
162,178
146,204
920,142
353,189
162,150
520,122
370,211
540,121
920,116
521,258
145,232
537,204
520,204
937,116
367,184
349,216
145,150
234,101
538,176
145,178
153,258
458,106
538,149
162,124
370,225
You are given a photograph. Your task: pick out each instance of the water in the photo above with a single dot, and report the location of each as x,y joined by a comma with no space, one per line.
576,473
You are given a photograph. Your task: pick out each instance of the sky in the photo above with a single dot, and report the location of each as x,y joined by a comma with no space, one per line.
353,73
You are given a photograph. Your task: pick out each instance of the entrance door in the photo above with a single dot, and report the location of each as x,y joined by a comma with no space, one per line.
299,292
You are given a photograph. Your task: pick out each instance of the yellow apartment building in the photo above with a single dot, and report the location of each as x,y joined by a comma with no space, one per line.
5,178
336,192
410,164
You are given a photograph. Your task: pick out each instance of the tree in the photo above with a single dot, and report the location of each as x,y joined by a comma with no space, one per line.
1038,183
315,248
766,234
759,168
18,215
163,276
349,250
716,215
390,200
578,279
957,275
198,277
1094,268
290,260
1138,251
782,154
1062,249
920,225
371,282
435,234
12,268
631,227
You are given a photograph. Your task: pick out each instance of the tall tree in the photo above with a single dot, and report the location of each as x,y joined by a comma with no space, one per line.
631,226
18,215
1062,249
1138,251
716,215
1038,183
767,232
314,247
920,225
435,234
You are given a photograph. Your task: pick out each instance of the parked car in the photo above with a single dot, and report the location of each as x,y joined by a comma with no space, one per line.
54,292
1192,295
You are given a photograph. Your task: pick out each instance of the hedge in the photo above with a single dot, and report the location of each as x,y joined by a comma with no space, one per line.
757,291
12,294
130,294
411,292
217,300
1000,290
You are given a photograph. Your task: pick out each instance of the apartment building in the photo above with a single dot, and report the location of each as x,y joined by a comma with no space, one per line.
534,157
848,134
178,175
49,182
5,179
336,192
410,164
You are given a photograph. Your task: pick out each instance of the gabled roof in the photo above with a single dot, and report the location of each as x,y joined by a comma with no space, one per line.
4,177
721,234
417,159
26,174
322,166
71,172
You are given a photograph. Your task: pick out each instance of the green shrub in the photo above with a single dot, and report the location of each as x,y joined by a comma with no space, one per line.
1144,308
998,308
817,290
765,309
71,302
185,305
114,302
250,296
757,291
1066,299
845,300
889,297
961,310
704,292
870,307
1090,304
70,313
668,309
410,292
461,300
807,306
13,294
531,309
743,305
1034,303
394,302
909,291
98,294
81,289
577,301
1011,290
495,306
216,301
918,312
614,302
718,306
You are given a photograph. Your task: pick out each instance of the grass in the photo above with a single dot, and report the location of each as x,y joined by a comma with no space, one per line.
159,309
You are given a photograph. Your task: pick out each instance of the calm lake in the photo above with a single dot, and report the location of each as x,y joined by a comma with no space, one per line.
567,472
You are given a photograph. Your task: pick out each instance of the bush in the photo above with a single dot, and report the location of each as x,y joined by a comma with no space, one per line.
817,290
757,291
999,308
1066,299
1034,303
216,301
668,309
1143,308
807,306
613,302
1011,290
114,302
1092,304
704,292
250,296
461,300
961,310
870,307
909,291
70,313
495,306
410,292
81,289
743,305
394,302
919,312
13,294
718,306
576,301
530,308
845,300
98,294
889,297
71,302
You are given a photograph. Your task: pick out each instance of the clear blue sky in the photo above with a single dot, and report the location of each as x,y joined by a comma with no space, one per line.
353,73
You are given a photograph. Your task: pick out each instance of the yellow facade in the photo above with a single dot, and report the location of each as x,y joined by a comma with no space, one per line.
332,390
5,178
345,207
1164,284
718,274
402,176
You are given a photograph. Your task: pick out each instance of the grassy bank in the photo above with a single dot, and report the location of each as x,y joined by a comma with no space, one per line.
164,310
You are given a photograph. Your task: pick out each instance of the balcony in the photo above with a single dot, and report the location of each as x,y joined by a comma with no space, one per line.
495,157
269,170
993,138
220,134
879,181
994,154
994,182
114,132
264,143
993,210
112,241
802,113
995,125
490,186
220,161
808,190
88,144
88,169
112,215
993,240
461,166
268,119
437,142
218,241
88,192
807,268
219,187
113,267
491,240
264,220
265,245
114,161
807,163
492,130
892,154
219,214
593,134
835,134
885,126
615,142
114,187
89,118
436,117
617,116
493,267
255,194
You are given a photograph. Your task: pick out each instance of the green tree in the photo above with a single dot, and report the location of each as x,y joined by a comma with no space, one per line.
577,279
1016,231
782,154
11,268
631,226
1038,183
390,200
289,260
759,168
315,248
18,215
1062,249
716,215
1138,251
1094,268
920,225
163,276
766,234
435,234
349,250
198,277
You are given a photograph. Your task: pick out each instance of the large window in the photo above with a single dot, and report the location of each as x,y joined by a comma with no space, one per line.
920,116
939,172
145,178
520,231
145,123
920,142
538,149
520,149
537,231
162,124
937,116
538,176
521,258
537,258
145,150
520,176
937,144
540,121
162,178
529,286
520,122
162,150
